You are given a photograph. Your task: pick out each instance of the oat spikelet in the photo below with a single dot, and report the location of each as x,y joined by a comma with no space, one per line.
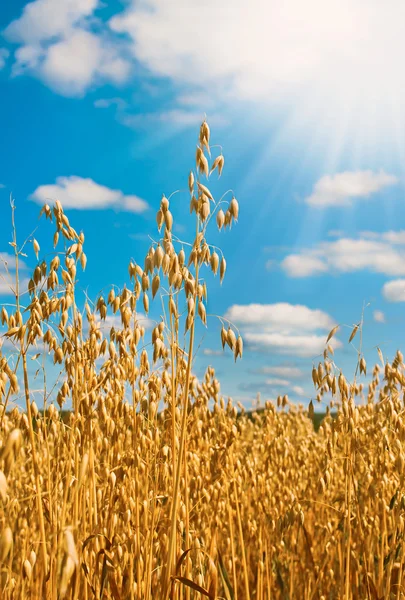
220,219
222,269
36,247
353,333
27,569
69,565
202,312
234,208
218,163
191,182
3,486
204,190
332,333
238,351
214,262
223,337
155,285
231,339
6,543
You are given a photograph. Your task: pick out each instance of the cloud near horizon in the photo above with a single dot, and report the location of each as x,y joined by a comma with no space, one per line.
283,328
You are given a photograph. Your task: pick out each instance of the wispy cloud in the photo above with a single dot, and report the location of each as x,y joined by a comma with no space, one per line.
8,274
85,194
211,352
281,371
178,118
4,54
183,115
119,103
379,316
345,188
275,387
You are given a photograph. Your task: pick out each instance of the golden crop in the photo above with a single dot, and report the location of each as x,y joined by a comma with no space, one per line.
155,486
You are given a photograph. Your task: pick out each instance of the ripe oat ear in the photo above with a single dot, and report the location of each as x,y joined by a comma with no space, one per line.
353,333
220,219
332,333
222,269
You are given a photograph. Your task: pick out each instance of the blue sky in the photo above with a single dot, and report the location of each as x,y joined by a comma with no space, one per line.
101,106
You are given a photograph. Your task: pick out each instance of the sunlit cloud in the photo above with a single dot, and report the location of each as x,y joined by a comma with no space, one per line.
345,188
331,66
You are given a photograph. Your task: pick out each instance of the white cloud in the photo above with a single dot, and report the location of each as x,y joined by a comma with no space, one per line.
380,255
45,19
379,316
4,54
394,291
277,381
273,386
297,345
340,54
6,285
281,371
393,237
297,389
210,352
298,265
107,102
58,46
178,118
282,328
85,194
279,317
258,387
195,98
74,64
343,188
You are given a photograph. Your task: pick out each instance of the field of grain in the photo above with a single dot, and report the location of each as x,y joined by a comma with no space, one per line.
155,486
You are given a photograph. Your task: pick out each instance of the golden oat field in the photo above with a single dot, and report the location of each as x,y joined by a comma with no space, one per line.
155,486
